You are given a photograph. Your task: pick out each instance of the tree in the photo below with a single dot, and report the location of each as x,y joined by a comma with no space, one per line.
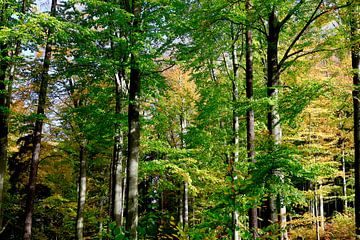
355,63
134,127
42,95
250,116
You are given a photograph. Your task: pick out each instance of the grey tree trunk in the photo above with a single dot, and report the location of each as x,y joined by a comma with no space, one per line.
250,116
321,209
343,166
44,79
133,152
133,131
235,155
117,173
186,206
272,83
81,194
316,211
181,209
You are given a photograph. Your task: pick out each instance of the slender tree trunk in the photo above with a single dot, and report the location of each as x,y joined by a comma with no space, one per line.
44,79
4,112
183,126
316,211
343,166
355,60
321,209
81,194
117,161
235,127
186,206
250,116
181,209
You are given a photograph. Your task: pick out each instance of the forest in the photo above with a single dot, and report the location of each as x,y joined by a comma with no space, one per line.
179,119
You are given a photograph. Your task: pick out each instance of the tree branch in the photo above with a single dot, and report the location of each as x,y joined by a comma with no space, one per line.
298,36
290,14
285,65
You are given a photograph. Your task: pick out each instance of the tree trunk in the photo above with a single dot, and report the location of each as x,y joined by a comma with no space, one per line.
321,209
181,209
44,79
134,131
355,60
133,151
235,127
183,126
272,82
316,215
186,206
81,194
4,112
117,161
250,116
274,127
344,179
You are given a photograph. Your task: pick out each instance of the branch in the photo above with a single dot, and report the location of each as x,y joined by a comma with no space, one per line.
290,14
312,18
264,26
290,63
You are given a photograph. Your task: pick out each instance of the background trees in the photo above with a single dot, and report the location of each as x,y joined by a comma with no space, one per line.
148,114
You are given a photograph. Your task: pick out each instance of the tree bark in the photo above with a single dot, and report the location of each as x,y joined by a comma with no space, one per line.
250,116
274,126
272,82
44,79
343,166
81,194
183,126
186,206
321,209
133,131
355,63
235,127
133,151
4,112
117,161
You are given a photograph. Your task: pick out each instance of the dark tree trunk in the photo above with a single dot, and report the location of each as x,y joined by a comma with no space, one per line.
274,127
355,62
272,82
44,79
250,118
133,151
273,77
81,194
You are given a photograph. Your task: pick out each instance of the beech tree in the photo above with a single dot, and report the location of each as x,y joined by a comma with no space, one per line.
42,95
142,117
